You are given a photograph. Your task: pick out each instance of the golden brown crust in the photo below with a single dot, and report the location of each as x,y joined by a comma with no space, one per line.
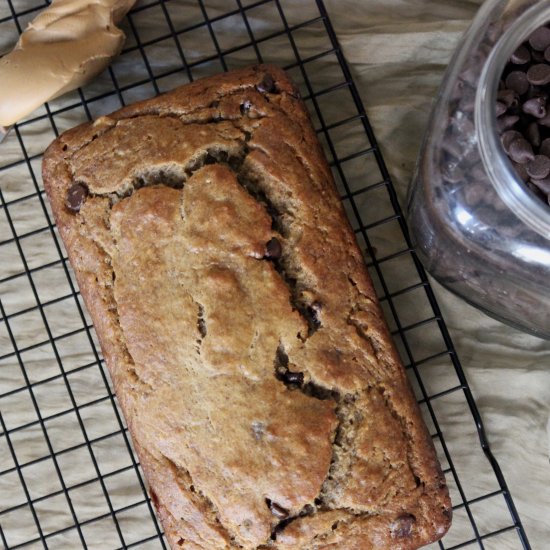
265,400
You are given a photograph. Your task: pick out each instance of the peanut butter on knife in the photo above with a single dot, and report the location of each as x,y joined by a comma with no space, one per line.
65,46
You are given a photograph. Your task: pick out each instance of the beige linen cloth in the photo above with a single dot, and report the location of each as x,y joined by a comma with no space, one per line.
397,51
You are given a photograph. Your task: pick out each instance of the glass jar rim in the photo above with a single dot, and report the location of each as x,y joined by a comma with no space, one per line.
502,174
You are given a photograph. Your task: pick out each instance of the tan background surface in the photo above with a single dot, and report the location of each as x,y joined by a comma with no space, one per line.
398,51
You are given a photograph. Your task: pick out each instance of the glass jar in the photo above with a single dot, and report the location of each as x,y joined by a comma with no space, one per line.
476,226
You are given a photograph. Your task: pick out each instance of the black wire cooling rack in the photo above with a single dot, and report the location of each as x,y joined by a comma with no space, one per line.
68,476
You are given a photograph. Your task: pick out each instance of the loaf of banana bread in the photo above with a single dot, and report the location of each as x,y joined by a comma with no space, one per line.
247,349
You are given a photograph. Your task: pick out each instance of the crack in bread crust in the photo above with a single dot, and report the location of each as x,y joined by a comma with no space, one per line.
256,149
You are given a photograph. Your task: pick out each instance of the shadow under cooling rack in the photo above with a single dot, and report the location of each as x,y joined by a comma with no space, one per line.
68,475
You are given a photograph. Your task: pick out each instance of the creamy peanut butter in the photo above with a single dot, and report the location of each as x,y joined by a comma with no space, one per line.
62,48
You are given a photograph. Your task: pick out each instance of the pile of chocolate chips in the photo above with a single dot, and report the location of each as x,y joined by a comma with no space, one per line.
523,112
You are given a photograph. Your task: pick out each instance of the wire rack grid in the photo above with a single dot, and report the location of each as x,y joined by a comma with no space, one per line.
68,475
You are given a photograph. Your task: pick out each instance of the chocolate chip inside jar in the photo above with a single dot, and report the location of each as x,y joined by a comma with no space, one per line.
522,111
